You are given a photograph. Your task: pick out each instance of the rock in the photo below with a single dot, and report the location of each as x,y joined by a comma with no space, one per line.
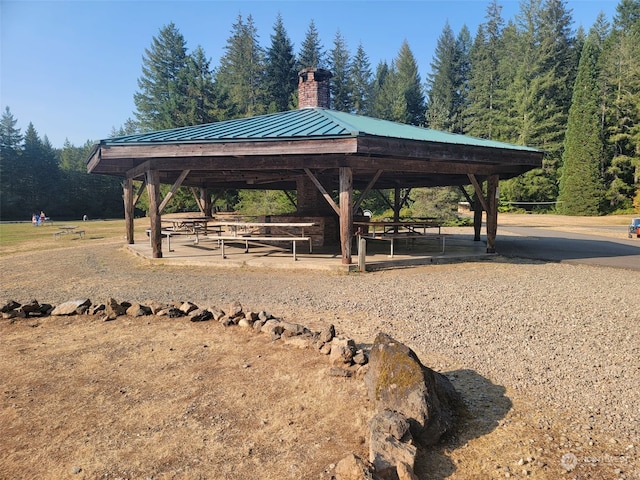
113,309
327,334
272,327
10,305
405,472
360,358
94,309
199,315
245,323
325,349
342,351
188,307
390,444
71,307
352,467
235,310
174,312
292,328
396,380
217,313
137,310
28,308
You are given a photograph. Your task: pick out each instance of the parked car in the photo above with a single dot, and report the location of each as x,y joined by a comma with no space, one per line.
634,228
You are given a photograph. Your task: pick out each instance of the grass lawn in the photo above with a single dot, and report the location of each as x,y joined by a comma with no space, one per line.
24,237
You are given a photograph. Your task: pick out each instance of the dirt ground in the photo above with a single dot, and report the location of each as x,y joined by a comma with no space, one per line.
160,398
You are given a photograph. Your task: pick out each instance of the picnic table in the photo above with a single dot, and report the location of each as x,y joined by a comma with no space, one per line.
188,225
66,230
404,229
258,232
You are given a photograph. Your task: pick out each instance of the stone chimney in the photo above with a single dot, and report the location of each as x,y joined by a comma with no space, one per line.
313,88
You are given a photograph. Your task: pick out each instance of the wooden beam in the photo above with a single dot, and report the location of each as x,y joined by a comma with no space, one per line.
492,212
173,190
478,190
346,213
127,196
143,184
326,196
153,189
366,191
290,198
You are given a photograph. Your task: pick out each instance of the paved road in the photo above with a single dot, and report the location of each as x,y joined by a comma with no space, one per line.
545,244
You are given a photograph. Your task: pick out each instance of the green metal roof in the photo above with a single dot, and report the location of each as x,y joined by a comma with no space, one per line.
303,124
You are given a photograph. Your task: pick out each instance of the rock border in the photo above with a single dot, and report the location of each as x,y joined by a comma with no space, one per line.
401,388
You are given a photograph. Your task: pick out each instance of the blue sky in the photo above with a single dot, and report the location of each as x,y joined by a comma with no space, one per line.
71,67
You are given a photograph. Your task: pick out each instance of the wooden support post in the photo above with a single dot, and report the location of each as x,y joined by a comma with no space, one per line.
397,205
346,213
153,190
477,218
205,199
127,187
492,212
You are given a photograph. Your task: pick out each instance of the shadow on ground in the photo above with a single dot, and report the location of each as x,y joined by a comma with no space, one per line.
484,405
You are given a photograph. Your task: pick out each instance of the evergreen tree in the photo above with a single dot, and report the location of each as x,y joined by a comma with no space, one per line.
241,73
581,190
361,82
160,102
201,97
312,53
411,106
482,114
621,77
10,136
340,84
462,64
382,91
446,82
281,73
11,173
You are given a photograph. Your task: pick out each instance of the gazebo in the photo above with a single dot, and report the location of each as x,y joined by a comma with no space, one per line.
314,151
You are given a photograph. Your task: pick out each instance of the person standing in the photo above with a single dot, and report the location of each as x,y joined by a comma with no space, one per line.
42,217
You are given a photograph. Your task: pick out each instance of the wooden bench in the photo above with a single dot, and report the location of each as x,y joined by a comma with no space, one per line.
165,233
246,239
392,237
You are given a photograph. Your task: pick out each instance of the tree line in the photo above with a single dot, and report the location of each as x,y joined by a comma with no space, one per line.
531,80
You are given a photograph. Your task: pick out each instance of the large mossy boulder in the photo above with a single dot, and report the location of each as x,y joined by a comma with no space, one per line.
397,381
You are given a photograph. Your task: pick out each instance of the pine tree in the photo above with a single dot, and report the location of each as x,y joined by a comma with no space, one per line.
447,83
10,136
581,190
621,76
11,174
160,102
339,64
382,91
312,53
361,82
281,73
240,76
411,106
483,113
200,102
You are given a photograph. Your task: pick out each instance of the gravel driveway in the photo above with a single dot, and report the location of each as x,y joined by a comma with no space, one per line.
565,338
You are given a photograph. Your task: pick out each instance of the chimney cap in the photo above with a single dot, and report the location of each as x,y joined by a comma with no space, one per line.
317,74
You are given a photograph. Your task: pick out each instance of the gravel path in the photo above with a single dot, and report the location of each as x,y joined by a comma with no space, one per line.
562,336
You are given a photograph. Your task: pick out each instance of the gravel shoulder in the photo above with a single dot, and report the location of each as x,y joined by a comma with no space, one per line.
547,356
